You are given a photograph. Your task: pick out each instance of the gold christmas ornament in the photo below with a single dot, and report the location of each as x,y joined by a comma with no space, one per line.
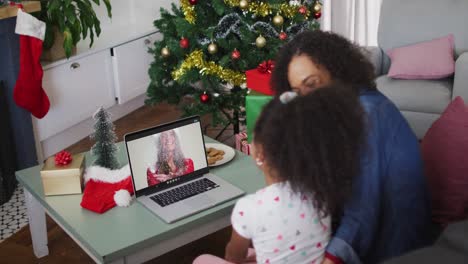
243,4
212,48
195,60
260,42
165,52
317,7
278,20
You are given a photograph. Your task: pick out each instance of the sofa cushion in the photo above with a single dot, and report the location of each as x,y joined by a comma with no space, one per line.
427,96
426,60
417,22
444,149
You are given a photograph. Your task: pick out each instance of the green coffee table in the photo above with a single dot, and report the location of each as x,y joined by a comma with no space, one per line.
132,234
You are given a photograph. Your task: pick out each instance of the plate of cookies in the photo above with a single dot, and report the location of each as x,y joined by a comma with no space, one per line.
218,154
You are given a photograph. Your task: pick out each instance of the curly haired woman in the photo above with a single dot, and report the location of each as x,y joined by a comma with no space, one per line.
388,212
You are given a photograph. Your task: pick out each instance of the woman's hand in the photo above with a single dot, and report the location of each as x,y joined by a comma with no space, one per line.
327,261
163,177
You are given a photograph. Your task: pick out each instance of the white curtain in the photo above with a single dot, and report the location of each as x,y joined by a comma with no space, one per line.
356,20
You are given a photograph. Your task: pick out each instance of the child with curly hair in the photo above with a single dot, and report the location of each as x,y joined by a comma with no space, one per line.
309,160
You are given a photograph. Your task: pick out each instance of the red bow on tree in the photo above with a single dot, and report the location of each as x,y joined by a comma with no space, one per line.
63,158
266,66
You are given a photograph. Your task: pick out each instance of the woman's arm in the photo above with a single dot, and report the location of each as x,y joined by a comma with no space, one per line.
359,224
236,249
188,166
151,177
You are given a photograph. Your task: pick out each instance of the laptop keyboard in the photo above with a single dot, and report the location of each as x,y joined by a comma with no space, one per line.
183,192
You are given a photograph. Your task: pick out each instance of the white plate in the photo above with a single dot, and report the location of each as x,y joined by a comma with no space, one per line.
229,153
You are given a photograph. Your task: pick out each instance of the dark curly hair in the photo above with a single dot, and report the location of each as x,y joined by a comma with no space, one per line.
314,143
344,61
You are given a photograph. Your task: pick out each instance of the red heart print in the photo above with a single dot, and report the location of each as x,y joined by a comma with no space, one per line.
280,237
277,199
241,213
267,261
319,245
302,215
276,250
293,247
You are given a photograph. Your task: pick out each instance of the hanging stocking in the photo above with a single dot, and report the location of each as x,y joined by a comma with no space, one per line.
28,91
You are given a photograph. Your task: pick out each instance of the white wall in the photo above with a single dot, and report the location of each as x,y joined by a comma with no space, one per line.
357,20
143,152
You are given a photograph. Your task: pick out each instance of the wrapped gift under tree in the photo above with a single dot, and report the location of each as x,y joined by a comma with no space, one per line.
254,103
242,144
258,81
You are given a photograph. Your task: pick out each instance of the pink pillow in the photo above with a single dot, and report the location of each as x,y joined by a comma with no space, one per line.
426,60
445,154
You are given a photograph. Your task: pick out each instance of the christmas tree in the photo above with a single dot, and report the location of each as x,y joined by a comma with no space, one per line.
104,149
208,45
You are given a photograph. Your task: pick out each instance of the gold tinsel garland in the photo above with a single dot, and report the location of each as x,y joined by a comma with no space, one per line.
189,11
195,60
264,9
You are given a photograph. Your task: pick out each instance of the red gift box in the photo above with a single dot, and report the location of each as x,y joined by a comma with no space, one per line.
242,144
259,79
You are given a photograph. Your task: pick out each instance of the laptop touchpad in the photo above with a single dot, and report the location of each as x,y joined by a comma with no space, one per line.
200,201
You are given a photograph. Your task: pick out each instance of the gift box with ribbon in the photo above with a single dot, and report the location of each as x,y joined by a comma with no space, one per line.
63,174
259,79
242,144
254,103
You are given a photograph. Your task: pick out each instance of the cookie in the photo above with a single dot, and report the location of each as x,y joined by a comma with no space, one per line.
208,150
212,161
213,153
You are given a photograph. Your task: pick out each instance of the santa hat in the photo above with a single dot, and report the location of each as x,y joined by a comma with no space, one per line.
105,188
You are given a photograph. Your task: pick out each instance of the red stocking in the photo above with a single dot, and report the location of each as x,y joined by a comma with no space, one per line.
28,91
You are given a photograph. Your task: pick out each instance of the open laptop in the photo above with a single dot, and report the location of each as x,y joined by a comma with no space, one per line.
170,171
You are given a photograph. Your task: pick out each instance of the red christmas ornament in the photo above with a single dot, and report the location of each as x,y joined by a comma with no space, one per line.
317,15
193,2
204,98
283,35
302,10
184,43
63,158
235,55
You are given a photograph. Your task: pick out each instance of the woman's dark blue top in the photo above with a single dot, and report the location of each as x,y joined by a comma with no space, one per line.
388,213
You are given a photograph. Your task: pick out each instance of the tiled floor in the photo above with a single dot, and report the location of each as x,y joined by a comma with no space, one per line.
13,215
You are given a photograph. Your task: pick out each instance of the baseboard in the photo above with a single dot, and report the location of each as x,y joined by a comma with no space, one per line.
83,129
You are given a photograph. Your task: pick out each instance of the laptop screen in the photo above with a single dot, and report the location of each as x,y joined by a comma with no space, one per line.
163,155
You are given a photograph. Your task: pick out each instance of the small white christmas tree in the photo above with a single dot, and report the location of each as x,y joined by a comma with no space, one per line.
104,149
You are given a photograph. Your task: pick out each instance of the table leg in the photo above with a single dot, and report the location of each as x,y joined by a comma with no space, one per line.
37,225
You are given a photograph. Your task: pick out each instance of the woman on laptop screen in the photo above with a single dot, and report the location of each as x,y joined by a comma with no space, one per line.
170,160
